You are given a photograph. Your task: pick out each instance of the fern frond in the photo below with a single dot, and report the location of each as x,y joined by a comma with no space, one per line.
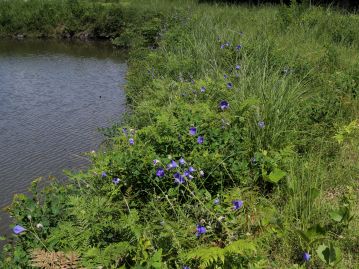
208,256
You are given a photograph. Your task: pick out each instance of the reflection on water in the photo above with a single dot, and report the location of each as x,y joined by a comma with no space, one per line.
53,97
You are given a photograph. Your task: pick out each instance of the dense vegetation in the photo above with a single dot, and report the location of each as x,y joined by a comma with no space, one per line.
242,149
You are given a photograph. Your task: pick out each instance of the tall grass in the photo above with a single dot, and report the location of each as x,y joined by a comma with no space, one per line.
287,146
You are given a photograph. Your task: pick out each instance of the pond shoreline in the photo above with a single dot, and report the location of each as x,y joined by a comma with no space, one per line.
240,151
34,69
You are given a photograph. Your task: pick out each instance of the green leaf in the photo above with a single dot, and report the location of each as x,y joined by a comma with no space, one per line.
336,215
276,175
329,255
340,214
156,260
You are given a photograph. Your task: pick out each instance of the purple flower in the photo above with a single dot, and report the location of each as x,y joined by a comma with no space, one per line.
116,180
155,162
222,46
237,204
238,67
160,172
104,174
238,47
216,201
203,89
201,173
186,267
192,131
261,124
200,140
191,169
172,165
179,179
18,229
223,105
200,230
229,85
306,256
187,173
132,141
182,161
124,131
225,76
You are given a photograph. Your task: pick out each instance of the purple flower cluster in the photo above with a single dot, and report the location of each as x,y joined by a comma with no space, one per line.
193,132
181,175
131,141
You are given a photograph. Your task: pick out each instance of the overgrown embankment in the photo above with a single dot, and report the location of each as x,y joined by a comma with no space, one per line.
242,150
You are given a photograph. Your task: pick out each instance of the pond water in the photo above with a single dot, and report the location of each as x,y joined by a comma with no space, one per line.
53,98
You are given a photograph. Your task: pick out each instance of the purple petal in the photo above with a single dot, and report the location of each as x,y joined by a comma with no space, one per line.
306,256
160,172
182,161
261,124
192,131
237,204
116,180
18,229
223,105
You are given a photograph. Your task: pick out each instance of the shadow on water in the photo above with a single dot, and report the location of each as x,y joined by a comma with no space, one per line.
75,48
54,95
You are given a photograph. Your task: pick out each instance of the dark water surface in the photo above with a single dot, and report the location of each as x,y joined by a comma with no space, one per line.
50,108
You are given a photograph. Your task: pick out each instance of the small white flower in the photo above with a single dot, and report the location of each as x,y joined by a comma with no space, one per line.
39,226
29,217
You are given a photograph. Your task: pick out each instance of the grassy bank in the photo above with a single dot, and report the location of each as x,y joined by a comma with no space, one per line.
242,150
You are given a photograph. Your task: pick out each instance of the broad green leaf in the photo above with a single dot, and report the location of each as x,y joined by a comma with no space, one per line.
276,175
329,255
336,215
